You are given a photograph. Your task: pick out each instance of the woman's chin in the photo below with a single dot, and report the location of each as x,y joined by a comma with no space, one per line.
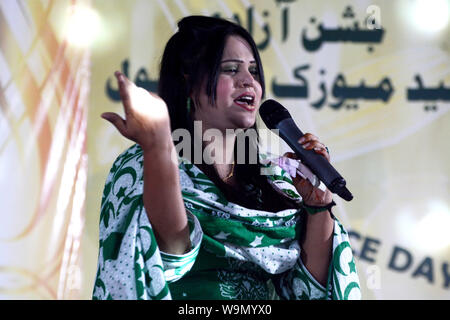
245,123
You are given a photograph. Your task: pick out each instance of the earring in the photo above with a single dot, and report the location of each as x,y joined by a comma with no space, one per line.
188,107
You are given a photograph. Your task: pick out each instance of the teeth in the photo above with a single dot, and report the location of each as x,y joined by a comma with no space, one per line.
246,99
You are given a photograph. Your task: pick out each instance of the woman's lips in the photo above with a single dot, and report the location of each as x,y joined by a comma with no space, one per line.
246,100
245,106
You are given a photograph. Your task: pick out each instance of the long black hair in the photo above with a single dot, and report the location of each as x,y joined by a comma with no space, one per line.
193,55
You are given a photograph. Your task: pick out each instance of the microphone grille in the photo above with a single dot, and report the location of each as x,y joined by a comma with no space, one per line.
272,113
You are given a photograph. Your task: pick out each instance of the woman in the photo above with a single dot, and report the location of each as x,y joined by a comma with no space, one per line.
220,229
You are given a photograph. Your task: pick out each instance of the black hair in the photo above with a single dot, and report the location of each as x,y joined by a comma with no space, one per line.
191,56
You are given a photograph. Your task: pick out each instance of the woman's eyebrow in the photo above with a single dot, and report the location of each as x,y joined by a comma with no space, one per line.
236,60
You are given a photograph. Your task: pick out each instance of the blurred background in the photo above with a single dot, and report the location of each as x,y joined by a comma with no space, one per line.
370,78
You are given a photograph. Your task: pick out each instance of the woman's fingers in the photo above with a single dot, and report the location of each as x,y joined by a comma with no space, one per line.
146,120
307,137
290,155
117,122
124,90
311,142
310,194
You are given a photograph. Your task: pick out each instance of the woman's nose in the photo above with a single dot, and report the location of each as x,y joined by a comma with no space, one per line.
245,79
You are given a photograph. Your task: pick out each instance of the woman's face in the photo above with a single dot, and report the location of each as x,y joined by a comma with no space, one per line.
238,92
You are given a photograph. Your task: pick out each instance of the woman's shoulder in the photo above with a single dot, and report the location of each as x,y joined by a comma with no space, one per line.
129,161
131,153
134,154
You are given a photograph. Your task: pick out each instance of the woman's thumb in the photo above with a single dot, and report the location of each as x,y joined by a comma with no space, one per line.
116,121
290,155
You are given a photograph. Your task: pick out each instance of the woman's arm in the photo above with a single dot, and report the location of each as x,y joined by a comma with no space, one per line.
147,123
317,240
163,201
317,245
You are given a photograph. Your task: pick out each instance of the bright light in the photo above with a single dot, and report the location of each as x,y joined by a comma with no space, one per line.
430,15
82,27
432,229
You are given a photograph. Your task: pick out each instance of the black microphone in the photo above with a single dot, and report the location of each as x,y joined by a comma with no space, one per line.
275,116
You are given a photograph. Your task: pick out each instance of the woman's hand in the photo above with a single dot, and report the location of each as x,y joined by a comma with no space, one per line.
311,196
147,120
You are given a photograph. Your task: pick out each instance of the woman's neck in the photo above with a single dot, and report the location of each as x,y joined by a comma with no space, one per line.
218,147
218,151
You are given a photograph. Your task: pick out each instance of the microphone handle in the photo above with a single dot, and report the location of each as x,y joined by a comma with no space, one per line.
320,166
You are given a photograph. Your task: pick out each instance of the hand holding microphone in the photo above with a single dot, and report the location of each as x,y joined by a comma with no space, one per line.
275,116
312,195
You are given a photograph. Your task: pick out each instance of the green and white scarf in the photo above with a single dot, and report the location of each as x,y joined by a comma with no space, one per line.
131,266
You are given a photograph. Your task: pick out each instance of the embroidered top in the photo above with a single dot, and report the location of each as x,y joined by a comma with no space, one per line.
237,253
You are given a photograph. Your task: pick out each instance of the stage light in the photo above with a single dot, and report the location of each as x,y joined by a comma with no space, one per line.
430,16
82,26
432,229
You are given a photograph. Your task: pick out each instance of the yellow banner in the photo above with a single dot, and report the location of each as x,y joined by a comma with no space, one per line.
370,79
43,123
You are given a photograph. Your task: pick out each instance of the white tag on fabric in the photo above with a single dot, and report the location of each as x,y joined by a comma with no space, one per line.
294,167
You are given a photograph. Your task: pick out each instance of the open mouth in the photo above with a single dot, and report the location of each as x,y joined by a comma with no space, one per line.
246,101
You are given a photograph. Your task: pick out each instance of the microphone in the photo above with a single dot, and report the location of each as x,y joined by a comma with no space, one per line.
275,116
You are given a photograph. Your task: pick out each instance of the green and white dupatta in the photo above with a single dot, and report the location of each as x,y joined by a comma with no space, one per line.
131,266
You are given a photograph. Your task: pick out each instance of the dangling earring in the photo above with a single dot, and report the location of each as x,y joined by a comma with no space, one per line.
188,107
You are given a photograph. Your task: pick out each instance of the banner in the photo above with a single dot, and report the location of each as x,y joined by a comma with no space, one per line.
371,79
44,91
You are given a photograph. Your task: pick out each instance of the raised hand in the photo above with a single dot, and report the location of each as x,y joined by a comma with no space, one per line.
146,120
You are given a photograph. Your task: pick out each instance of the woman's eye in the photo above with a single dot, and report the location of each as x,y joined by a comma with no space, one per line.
235,69
229,69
